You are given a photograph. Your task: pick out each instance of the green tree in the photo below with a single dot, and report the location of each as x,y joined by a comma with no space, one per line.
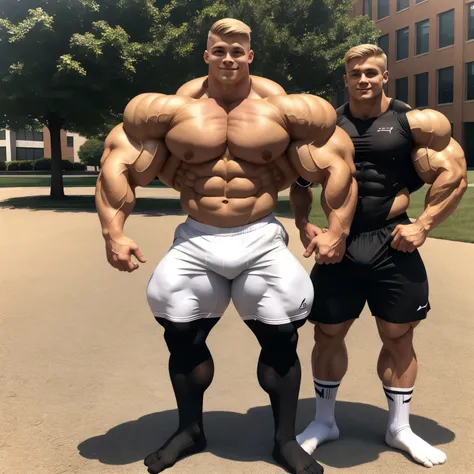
70,64
91,151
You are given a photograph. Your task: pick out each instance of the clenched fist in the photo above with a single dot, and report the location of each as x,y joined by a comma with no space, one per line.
327,246
408,237
119,253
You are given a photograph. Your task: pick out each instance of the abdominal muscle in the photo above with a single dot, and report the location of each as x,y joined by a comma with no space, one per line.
400,204
228,192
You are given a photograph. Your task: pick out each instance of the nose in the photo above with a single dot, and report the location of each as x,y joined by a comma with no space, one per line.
228,61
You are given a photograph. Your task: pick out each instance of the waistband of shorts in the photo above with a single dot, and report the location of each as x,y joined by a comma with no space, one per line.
230,231
378,224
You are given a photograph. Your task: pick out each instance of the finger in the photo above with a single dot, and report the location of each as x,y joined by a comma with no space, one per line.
310,248
403,246
139,256
116,263
411,248
131,266
396,240
396,230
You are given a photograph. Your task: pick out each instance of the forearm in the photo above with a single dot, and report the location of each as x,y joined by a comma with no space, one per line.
339,198
301,201
443,198
115,198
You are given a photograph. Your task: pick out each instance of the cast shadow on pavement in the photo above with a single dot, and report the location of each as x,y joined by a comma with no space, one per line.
247,437
81,203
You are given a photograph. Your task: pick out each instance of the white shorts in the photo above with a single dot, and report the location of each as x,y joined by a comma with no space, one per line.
206,266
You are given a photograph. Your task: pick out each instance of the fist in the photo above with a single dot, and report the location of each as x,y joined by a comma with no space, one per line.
408,237
308,232
119,254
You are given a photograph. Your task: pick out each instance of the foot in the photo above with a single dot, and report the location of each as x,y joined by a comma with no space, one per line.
420,450
317,433
292,457
181,444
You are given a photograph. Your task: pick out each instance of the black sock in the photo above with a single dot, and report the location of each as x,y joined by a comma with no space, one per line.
279,374
191,370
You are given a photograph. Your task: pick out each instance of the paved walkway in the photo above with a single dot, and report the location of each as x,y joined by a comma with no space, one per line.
83,366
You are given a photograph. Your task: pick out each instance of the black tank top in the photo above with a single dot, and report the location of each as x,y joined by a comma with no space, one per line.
383,147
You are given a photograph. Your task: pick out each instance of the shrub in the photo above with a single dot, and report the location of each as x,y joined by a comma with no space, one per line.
79,166
25,165
13,165
42,164
3,166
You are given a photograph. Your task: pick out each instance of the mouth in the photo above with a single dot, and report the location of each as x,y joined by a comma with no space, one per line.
228,68
364,90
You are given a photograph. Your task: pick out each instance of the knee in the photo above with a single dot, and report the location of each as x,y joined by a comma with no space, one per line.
396,334
185,336
331,334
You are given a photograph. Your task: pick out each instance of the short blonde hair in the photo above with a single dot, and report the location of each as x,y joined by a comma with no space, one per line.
230,26
365,51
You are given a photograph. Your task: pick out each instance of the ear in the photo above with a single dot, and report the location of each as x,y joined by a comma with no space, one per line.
251,56
206,56
345,80
385,77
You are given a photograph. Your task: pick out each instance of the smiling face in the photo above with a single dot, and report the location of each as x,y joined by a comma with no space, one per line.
365,77
228,57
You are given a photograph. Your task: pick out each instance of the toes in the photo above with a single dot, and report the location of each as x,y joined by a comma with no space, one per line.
151,458
438,457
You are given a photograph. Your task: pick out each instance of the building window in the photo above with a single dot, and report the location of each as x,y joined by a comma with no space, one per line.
420,1
3,153
446,29
367,8
402,4
29,153
470,21
2,135
421,90
469,143
423,37
402,44
29,135
384,44
445,85
452,129
70,142
470,81
401,89
383,8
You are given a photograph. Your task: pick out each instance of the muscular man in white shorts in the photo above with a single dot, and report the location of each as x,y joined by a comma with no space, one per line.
228,143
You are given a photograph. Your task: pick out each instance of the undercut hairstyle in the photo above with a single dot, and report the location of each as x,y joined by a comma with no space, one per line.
365,51
230,26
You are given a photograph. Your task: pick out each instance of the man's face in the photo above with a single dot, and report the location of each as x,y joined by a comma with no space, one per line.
228,58
365,77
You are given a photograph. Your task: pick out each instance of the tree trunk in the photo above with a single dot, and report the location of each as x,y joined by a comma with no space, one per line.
57,187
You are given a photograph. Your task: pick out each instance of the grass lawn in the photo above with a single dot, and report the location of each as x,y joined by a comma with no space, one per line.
45,181
459,226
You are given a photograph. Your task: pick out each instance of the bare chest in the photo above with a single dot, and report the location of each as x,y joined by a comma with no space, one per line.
203,131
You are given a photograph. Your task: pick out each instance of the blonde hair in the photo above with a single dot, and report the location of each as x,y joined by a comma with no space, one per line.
365,51
230,26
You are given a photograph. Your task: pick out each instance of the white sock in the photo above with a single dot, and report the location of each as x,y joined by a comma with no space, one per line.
324,427
399,434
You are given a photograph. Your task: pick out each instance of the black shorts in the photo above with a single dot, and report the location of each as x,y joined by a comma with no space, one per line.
393,283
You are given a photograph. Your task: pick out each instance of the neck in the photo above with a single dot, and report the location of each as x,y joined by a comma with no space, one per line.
365,109
229,93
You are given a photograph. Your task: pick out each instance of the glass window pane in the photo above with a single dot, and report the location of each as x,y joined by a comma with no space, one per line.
2,135
421,90
384,44
29,135
402,4
70,142
423,37
419,1
470,21
446,29
469,143
38,136
402,44
367,8
383,8
470,81
445,85
3,153
401,87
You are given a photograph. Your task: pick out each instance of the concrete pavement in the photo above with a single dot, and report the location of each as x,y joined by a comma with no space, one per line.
83,366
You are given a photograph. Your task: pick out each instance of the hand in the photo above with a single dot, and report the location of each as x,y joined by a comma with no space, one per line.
119,253
308,232
327,247
408,237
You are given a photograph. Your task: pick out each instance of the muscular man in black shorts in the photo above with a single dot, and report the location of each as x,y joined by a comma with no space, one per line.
397,150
